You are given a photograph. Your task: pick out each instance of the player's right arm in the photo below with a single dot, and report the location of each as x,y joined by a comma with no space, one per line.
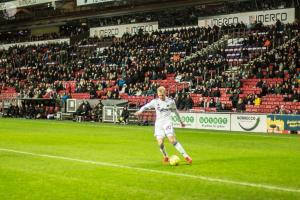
145,107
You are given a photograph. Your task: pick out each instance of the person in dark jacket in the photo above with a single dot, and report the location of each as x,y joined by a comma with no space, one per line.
124,115
188,102
240,107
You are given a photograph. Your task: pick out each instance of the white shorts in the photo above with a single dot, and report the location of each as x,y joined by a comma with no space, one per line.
164,130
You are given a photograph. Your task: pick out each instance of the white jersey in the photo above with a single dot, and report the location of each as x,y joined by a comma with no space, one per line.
163,109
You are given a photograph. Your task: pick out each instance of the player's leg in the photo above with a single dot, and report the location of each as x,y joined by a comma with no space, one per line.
179,148
159,134
169,131
177,145
162,149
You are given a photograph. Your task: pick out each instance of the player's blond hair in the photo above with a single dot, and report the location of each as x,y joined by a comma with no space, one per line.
161,90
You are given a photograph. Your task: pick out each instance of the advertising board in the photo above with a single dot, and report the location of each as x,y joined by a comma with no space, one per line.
248,123
267,17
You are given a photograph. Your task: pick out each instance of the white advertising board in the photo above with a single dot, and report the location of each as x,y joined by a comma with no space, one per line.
267,17
203,121
249,123
213,121
119,30
189,119
88,2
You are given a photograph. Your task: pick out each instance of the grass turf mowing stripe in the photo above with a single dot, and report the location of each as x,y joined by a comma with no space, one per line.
205,178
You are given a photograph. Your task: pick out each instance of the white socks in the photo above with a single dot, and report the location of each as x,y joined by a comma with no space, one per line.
179,148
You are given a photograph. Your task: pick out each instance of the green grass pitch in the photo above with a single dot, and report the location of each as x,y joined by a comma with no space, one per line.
69,160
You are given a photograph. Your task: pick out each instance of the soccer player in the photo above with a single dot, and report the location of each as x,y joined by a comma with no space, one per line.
164,106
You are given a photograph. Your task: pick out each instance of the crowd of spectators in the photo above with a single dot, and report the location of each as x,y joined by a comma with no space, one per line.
282,110
281,63
131,61
133,64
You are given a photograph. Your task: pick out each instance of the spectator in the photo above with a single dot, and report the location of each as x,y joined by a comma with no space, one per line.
218,103
124,115
277,89
83,111
264,88
234,99
188,103
282,110
124,89
295,96
240,107
96,112
271,89
276,110
259,83
202,102
257,100
115,93
205,93
212,103
259,74
217,93
250,99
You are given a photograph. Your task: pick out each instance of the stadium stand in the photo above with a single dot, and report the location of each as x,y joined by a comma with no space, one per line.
238,68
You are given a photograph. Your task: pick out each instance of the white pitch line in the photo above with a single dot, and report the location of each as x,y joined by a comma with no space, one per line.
204,178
